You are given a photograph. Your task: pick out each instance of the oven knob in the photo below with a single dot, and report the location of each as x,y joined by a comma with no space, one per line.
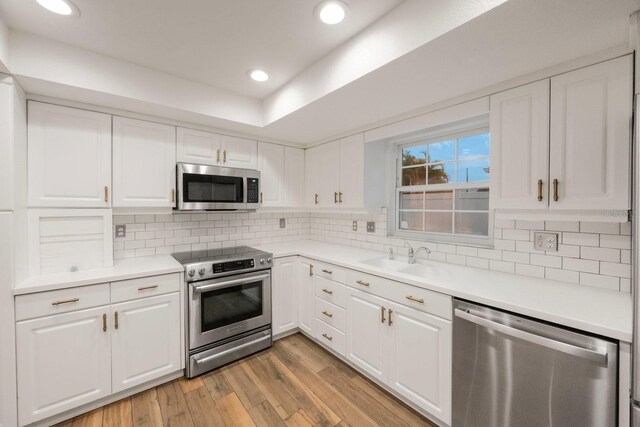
261,260
269,260
191,272
201,271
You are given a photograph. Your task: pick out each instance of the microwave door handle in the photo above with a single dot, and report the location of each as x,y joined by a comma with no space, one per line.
225,284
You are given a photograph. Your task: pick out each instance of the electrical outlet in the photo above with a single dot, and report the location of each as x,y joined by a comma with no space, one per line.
545,241
283,223
371,227
355,226
121,230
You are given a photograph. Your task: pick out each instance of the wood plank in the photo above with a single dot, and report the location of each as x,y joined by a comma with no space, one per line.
271,386
202,408
188,385
118,414
313,406
391,403
175,411
299,419
264,415
232,411
90,419
315,354
366,403
146,409
332,397
248,393
217,384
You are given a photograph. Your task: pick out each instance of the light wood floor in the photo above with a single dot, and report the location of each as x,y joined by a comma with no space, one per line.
294,383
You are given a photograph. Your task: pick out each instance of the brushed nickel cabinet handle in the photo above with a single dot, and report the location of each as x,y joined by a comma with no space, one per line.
218,156
66,301
390,321
315,200
144,288
414,299
335,197
115,315
555,190
173,195
310,270
104,323
539,190
361,282
327,291
326,313
339,197
382,318
106,193
327,337
261,197
327,271
224,156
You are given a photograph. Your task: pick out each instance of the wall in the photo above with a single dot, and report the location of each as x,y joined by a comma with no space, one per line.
179,232
590,253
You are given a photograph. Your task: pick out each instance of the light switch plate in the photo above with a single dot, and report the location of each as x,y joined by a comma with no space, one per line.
371,227
355,226
283,223
121,230
545,241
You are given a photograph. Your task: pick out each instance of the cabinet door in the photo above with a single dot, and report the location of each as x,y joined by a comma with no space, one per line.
328,175
352,172
312,177
420,359
239,152
367,332
293,177
306,293
271,166
520,147
6,147
64,361
145,340
198,147
590,136
144,164
69,156
285,296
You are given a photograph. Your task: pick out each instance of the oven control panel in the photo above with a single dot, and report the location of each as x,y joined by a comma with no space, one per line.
224,267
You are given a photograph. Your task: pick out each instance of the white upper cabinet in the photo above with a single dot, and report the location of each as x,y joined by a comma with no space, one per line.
144,164
294,175
327,168
69,156
239,152
351,192
271,164
520,147
591,110
198,147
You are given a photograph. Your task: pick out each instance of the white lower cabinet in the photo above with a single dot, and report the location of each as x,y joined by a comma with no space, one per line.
419,359
284,295
306,295
64,361
145,341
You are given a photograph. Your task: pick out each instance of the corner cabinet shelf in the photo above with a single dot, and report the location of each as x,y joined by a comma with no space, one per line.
561,146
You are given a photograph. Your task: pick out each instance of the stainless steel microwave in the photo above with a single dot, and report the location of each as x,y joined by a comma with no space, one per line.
202,187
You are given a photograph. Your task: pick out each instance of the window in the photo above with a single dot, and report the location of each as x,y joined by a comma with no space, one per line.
443,185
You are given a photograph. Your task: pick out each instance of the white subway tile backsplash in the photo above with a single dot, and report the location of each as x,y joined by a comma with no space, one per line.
562,226
546,261
600,227
530,270
581,239
617,242
586,266
600,281
600,254
615,269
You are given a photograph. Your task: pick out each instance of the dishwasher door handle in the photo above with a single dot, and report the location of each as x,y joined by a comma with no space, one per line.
585,353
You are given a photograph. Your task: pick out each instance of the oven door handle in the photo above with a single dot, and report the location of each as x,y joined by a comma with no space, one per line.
219,285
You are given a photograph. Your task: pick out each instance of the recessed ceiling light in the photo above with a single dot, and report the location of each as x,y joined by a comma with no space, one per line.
332,12
259,75
61,7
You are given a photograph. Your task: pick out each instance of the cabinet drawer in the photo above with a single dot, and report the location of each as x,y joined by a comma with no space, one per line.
61,301
330,337
330,272
331,314
330,291
425,300
143,287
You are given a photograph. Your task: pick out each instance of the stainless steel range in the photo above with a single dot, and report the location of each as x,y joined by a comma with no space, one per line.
228,305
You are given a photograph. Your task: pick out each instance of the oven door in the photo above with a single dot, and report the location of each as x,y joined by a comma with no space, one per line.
202,187
224,307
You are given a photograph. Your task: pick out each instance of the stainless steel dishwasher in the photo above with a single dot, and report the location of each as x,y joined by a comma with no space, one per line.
509,370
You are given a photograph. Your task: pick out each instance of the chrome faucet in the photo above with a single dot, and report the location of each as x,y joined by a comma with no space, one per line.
413,253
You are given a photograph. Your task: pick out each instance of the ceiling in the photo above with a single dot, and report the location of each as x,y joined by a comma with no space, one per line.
209,41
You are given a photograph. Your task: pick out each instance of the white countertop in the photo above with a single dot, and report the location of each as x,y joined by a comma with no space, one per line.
121,270
599,311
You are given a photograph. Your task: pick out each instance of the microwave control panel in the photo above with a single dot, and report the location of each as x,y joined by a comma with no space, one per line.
253,190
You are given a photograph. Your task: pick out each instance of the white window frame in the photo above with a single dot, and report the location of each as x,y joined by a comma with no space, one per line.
447,133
